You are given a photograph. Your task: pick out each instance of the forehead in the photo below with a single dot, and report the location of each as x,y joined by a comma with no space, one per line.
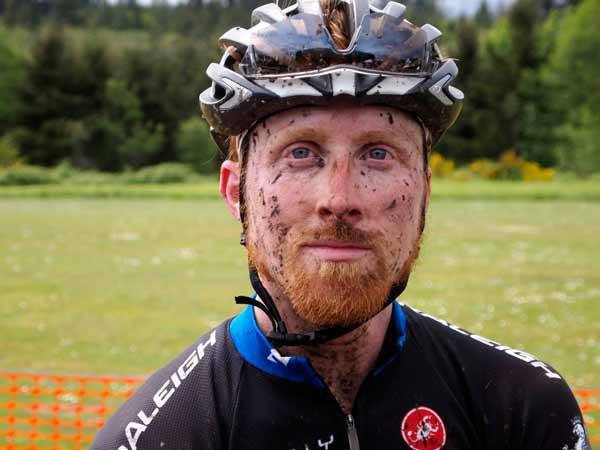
345,122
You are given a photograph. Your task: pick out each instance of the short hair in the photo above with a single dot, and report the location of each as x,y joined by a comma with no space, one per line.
337,21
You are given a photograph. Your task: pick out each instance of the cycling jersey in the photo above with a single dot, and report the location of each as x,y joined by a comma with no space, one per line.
434,386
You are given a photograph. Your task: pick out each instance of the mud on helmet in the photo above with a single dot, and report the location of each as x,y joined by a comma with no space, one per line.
287,58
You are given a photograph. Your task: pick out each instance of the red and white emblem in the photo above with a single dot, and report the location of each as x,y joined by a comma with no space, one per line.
423,429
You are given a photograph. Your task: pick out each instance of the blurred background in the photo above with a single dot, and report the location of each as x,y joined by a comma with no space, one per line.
116,251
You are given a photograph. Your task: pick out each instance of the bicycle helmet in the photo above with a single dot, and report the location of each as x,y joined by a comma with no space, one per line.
288,58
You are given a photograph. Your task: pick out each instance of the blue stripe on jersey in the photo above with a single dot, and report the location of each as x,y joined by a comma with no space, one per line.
399,321
254,347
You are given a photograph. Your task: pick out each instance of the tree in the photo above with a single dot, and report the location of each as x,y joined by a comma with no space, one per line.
47,105
12,68
496,102
62,101
524,19
540,114
69,11
573,70
483,16
458,142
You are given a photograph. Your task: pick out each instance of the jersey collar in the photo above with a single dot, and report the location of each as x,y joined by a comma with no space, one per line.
254,347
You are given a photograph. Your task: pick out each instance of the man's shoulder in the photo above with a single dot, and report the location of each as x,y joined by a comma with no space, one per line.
472,348
182,404
520,399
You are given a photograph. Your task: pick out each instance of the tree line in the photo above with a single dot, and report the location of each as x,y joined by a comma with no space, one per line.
111,86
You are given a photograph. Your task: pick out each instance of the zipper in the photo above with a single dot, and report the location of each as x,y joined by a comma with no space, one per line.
352,434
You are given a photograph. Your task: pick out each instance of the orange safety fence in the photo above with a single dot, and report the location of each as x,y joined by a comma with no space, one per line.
589,402
56,412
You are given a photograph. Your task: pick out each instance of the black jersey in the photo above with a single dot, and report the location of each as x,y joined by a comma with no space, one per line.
434,386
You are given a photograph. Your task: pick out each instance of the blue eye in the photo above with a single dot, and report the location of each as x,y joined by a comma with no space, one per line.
378,153
301,153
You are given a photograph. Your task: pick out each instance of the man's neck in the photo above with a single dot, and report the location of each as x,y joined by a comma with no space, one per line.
342,363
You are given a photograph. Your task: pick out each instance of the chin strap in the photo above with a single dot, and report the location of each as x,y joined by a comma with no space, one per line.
279,336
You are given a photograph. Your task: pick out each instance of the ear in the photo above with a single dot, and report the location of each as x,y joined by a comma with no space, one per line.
427,187
229,186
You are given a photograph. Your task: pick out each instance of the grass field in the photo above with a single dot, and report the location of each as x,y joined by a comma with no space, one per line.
207,189
120,286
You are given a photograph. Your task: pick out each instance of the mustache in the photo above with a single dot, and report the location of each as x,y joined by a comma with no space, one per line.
344,232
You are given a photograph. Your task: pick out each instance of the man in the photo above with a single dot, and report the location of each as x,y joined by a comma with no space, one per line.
330,111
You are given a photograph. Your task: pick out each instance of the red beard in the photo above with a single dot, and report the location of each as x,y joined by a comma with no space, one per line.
330,294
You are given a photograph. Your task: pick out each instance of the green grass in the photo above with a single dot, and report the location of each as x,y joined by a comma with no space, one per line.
120,286
207,188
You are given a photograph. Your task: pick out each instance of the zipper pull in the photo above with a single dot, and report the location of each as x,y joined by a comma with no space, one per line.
352,434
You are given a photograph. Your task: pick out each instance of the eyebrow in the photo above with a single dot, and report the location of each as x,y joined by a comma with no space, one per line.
304,133
391,137
315,134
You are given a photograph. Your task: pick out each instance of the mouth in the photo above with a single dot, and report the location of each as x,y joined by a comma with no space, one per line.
332,250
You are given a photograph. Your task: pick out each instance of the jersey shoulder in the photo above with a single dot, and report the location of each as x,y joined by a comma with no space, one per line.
184,405
523,401
472,348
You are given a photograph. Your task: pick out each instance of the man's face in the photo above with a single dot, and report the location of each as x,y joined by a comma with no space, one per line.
335,203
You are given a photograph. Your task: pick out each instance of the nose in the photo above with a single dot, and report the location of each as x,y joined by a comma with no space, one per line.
339,199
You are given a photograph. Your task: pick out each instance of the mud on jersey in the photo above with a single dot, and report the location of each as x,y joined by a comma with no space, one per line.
434,386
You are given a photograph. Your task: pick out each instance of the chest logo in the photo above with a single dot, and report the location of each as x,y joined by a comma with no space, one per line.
423,429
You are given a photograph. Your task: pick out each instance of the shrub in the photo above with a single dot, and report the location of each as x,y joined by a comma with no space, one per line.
440,166
161,174
9,155
22,175
64,171
531,171
462,174
195,146
93,177
144,143
484,168
511,167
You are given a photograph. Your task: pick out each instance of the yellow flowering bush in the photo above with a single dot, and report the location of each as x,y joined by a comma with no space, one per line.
484,168
440,166
510,167
532,171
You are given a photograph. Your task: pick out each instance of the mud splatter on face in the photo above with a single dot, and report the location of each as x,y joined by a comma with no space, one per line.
391,205
390,118
276,178
261,195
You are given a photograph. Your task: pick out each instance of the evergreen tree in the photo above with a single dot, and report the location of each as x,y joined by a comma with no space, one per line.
483,16
12,68
573,71
458,142
45,130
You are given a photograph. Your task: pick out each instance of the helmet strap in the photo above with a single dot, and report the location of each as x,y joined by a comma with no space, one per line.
279,337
